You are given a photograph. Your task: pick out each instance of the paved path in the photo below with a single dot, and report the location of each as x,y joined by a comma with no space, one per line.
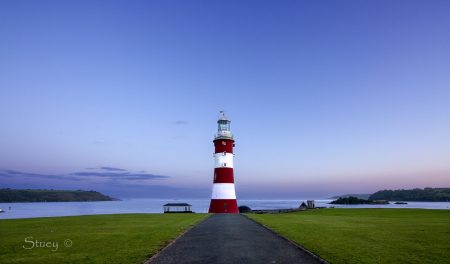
231,238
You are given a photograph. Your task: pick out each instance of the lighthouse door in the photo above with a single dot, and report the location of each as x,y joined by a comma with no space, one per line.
225,206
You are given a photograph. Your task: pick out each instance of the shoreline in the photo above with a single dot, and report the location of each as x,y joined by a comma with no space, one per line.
154,206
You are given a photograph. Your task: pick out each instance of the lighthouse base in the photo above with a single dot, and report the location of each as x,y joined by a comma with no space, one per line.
223,206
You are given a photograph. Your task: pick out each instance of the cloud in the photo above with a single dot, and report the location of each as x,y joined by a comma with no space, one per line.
112,169
181,123
98,142
102,173
121,175
13,173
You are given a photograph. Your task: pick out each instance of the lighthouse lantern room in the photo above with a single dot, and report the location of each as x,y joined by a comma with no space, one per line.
223,198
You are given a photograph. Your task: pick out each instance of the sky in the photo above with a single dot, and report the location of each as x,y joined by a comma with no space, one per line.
325,97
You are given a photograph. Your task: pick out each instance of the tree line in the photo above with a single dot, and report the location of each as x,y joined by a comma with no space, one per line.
426,195
33,195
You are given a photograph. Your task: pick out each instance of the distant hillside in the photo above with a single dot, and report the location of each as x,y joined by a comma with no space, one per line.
29,195
354,200
426,195
360,196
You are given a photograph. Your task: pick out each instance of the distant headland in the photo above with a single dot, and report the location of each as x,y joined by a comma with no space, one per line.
38,195
357,195
355,200
411,195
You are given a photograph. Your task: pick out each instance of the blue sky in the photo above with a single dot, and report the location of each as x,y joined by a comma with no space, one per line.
325,97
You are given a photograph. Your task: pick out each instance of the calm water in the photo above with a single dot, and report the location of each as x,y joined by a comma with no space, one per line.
28,210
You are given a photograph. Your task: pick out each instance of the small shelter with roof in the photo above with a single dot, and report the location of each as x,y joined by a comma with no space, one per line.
303,206
177,208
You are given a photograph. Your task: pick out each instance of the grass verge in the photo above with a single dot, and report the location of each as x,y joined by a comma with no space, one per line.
367,235
127,238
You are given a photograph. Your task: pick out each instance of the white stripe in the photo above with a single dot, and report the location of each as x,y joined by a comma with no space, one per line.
223,160
223,191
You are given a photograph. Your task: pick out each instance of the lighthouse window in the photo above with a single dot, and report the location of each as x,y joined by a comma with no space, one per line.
224,143
224,164
223,127
224,153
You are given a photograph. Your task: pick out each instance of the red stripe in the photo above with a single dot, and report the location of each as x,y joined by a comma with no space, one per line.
224,145
218,206
223,175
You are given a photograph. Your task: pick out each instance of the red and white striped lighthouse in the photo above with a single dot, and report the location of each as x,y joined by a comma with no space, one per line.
223,199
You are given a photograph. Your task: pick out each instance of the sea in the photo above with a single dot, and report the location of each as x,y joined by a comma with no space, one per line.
128,206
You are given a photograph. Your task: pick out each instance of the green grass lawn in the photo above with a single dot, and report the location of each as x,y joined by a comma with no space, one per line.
368,235
127,238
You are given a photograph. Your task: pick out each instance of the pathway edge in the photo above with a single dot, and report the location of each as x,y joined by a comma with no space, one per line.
148,261
297,245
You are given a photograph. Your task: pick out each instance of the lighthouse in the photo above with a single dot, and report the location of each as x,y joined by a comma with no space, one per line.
223,199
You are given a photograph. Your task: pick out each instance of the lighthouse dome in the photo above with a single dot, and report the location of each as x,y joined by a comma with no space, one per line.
222,116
